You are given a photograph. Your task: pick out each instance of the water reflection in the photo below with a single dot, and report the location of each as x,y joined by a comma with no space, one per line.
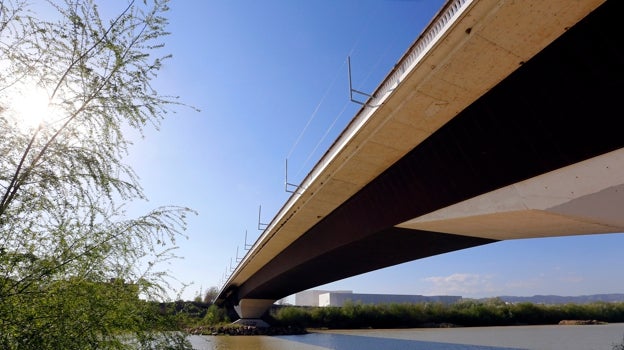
478,338
323,341
353,342
248,343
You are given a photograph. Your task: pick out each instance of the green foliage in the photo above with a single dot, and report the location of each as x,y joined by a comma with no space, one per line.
465,313
215,316
293,315
182,315
211,294
72,263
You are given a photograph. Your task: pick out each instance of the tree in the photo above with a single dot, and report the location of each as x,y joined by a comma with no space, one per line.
72,263
211,294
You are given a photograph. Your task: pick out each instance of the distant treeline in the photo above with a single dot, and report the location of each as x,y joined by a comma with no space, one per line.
558,299
493,312
467,313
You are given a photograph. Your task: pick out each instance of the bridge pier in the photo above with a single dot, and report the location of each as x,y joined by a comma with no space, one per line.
250,311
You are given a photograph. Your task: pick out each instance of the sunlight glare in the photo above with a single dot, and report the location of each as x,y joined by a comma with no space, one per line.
30,106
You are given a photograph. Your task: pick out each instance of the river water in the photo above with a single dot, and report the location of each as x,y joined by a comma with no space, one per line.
595,337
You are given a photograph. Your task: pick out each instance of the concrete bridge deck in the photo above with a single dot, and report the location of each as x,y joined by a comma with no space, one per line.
502,121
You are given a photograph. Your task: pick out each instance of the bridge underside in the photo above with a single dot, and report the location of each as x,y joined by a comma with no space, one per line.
560,108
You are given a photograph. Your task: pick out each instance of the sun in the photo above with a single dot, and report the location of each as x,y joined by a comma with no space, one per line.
29,105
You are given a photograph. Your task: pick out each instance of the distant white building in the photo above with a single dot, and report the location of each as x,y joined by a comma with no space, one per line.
339,298
311,297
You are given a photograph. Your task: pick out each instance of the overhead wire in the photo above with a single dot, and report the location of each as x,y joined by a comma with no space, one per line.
336,75
344,107
318,144
326,93
313,115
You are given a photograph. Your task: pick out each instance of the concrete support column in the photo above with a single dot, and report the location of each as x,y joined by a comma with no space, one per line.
250,311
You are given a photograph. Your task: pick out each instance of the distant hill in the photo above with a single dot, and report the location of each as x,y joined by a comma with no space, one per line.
556,299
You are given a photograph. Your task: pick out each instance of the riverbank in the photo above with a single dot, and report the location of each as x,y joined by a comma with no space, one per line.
494,312
237,330
246,330
580,322
291,320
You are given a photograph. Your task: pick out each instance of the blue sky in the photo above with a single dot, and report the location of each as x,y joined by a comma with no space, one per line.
261,72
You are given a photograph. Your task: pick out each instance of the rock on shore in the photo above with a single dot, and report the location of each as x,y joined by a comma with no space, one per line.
245,330
579,322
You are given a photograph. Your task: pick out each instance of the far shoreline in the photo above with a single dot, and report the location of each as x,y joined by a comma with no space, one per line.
237,330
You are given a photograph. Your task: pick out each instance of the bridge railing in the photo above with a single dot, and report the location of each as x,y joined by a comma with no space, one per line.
436,28
419,48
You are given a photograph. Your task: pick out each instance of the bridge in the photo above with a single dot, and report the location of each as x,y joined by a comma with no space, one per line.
502,121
